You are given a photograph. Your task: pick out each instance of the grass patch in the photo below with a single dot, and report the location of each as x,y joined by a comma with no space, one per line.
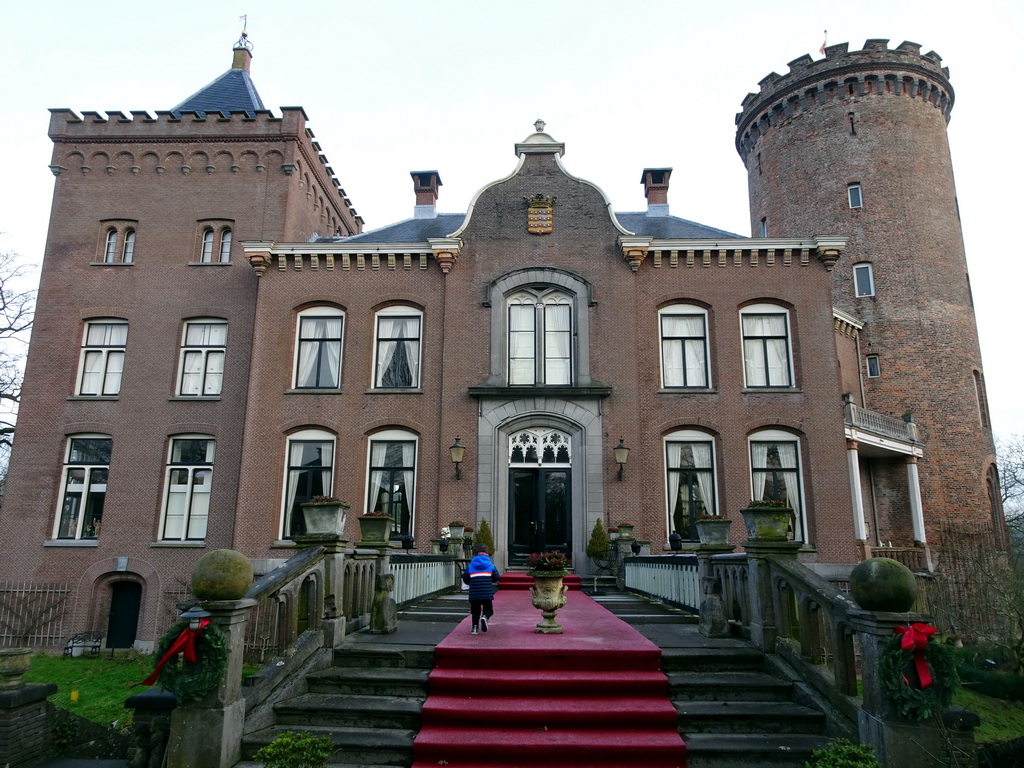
102,683
1000,720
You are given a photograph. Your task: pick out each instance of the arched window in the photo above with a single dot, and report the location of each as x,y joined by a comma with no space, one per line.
207,254
775,473
86,465
684,347
318,348
187,488
397,350
766,348
225,246
309,472
110,248
539,337
690,476
392,477
129,246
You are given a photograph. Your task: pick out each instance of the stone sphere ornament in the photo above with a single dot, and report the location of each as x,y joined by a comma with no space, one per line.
883,584
223,574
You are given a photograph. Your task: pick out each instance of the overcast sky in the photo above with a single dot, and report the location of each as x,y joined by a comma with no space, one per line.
452,85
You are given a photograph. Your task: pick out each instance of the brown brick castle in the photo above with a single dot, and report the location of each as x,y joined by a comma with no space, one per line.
218,341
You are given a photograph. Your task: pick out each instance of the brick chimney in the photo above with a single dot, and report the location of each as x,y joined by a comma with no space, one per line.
655,181
425,184
241,58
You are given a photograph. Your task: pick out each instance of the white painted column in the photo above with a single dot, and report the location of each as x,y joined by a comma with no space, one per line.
916,510
860,532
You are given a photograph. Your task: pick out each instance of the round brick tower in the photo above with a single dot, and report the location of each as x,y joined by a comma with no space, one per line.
855,144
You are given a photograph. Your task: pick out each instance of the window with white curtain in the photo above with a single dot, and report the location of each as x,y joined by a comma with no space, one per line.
684,347
775,473
202,358
539,337
188,482
128,250
85,487
118,246
309,472
766,349
392,478
102,360
318,351
215,241
110,247
397,354
690,473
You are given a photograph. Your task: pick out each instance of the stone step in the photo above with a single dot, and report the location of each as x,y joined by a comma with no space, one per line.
716,750
356,746
750,717
379,681
714,659
727,686
348,711
361,655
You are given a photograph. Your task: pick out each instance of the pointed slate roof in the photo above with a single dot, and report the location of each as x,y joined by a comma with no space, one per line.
231,92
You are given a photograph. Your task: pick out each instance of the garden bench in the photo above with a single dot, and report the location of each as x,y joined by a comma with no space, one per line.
81,642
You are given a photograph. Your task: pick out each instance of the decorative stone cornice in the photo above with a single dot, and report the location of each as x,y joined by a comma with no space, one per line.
634,249
446,251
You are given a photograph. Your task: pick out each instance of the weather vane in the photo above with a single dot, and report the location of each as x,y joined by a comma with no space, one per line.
243,41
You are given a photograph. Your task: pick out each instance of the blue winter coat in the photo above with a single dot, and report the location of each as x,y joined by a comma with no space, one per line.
481,576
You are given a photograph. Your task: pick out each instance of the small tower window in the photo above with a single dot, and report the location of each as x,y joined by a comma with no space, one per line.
110,250
854,193
129,246
874,368
863,280
207,256
225,246
764,227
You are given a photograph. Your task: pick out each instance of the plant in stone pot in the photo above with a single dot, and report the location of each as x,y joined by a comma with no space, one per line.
456,529
768,519
549,593
375,527
713,530
325,514
296,750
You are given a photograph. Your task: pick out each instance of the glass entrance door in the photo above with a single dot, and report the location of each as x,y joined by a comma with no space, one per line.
539,512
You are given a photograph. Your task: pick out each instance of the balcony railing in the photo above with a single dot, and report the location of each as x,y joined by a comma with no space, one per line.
880,424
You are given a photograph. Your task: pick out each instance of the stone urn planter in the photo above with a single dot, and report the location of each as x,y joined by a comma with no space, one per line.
549,594
14,663
325,517
456,531
713,531
768,523
625,531
375,530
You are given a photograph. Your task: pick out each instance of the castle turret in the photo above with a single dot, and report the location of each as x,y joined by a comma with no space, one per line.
856,144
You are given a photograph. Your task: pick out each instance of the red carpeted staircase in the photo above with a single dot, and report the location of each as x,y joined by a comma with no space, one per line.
592,696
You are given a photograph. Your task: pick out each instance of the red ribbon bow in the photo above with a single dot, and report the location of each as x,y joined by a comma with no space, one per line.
915,638
185,644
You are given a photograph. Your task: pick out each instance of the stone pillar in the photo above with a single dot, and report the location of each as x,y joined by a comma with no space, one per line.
897,741
24,725
208,733
383,611
860,529
916,508
713,622
333,623
763,622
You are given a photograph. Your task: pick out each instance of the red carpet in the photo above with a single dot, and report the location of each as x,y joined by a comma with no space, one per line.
594,696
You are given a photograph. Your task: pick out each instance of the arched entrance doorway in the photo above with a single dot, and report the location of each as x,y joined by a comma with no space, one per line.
123,622
540,493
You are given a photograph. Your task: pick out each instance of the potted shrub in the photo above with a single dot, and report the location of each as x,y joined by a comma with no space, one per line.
375,527
456,530
597,548
713,529
768,520
548,569
325,514
484,536
613,533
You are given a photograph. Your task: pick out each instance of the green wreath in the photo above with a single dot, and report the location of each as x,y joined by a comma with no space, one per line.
192,682
913,702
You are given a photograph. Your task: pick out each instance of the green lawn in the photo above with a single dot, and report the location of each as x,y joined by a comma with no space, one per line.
102,683
1000,720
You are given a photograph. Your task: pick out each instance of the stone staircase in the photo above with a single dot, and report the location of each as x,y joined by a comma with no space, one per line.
732,712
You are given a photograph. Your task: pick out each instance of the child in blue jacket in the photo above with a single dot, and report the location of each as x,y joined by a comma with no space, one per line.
481,576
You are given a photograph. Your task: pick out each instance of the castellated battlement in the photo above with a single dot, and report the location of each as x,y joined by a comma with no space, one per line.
112,143
875,70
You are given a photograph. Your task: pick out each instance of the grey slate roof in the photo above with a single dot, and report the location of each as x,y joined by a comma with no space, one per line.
232,91
418,230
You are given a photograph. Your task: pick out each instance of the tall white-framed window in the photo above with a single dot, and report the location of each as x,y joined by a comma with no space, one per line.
863,279
397,350
690,477
874,366
225,245
128,250
763,228
110,247
684,347
540,337
102,360
187,488
855,195
766,348
318,348
775,473
84,487
207,253
309,472
202,358
392,477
